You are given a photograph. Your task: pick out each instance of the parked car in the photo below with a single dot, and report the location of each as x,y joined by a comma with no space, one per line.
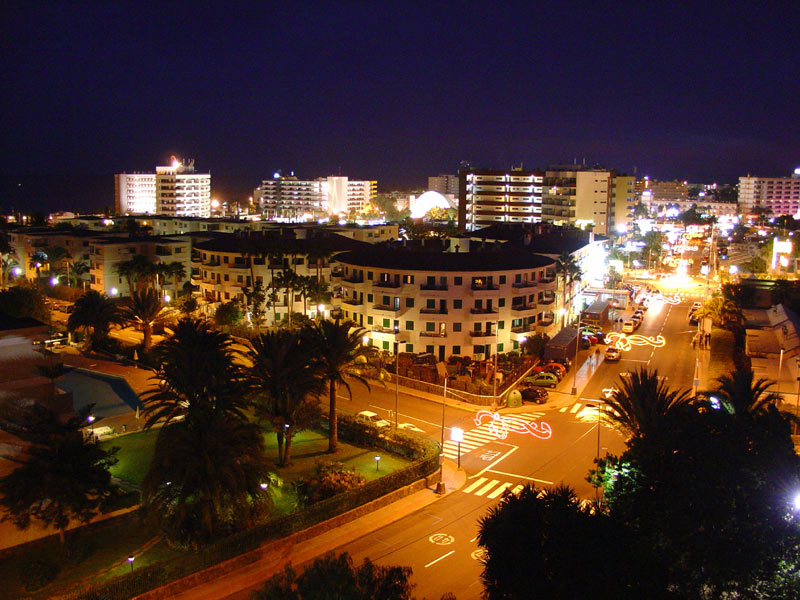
542,379
613,354
601,337
565,362
371,418
410,427
550,368
534,394
628,327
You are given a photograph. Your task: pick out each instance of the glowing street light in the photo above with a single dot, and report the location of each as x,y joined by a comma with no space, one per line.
113,292
130,561
54,280
377,463
167,298
263,485
457,435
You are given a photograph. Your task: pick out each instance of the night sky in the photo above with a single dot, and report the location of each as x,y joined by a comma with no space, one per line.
390,91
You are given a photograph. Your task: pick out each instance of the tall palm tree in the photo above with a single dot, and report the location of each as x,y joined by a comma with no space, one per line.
288,279
207,478
197,372
80,268
176,270
127,269
317,253
95,313
338,346
288,379
568,271
275,252
142,268
145,310
37,261
56,255
318,292
641,403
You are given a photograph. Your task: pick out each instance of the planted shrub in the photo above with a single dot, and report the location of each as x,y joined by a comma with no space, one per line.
327,480
35,574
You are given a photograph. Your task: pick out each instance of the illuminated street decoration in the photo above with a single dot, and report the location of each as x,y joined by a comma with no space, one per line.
500,426
673,300
624,342
608,392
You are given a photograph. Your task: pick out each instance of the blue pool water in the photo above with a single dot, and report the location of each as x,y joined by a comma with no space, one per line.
110,394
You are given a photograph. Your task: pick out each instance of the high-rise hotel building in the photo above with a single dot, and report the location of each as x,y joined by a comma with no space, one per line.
779,195
570,195
135,193
181,191
176,190
293,199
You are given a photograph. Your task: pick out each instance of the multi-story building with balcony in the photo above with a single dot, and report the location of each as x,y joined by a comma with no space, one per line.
181,191
221,265
777,195
448,303
135,193
25,241
292,199
107,252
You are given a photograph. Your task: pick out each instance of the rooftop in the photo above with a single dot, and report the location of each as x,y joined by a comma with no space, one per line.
426,260
230,242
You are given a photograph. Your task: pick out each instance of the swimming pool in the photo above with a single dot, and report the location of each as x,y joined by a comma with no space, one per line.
110,394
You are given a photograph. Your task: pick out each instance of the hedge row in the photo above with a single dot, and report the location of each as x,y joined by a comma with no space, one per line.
424,452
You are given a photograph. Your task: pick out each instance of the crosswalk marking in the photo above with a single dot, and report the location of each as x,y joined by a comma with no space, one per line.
473,485
487,487
517,489
575,407
500,489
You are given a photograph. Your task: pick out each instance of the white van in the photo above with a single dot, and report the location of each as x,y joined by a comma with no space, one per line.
628,327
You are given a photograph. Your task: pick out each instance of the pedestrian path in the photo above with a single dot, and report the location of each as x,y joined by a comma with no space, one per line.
480,436
582,410
491,488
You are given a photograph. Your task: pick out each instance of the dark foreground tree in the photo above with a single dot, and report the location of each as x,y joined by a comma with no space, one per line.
61,476
333,577
95,313
207,479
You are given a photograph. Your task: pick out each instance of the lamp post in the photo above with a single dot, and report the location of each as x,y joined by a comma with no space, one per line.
797,400
780,370
574,390
396,373
440,489
496,352
130,561
377,463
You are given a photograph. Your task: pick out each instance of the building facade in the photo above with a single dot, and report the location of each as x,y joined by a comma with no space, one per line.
445,185
181,191
447,303
292,199
135,193
778,195
490,197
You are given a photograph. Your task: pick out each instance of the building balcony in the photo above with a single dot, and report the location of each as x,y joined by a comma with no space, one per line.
432,334
544,321
336,273
429,287
523,307
352,301
483,311
384,308
477,287
386,284
523,284
547,301
353,279
481,333
530,327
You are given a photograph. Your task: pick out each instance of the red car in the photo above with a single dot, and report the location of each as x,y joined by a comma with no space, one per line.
552,367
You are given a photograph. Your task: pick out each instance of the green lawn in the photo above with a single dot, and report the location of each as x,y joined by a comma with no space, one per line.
110,543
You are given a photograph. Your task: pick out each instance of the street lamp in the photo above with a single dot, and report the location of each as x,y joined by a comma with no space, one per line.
574,391
377,463
130,561
440,489
780,370
91,419
457,435
496,352
396,373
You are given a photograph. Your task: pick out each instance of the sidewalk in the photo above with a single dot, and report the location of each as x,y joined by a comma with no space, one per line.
238,584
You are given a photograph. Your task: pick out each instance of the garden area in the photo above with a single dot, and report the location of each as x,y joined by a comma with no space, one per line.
100,551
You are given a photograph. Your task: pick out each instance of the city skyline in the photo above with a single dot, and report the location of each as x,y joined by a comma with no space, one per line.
393,95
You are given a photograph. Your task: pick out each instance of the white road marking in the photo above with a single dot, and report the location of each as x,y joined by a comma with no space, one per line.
522,477
487,487
474,485
499,460
500,489
433,562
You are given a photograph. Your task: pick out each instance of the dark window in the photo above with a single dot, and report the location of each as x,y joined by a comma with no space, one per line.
456,349
456,303
456,326
409,303
456,280
430,326
409,325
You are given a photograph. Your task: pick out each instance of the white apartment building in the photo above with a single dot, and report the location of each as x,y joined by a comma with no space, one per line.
181,191
292,199
780,195
593,199
623,200
447,303
489,197
26,241
106,252
135,193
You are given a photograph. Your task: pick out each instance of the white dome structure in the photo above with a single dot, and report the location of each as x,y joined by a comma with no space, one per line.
428,200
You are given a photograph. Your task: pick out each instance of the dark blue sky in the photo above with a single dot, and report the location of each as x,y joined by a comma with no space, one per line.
393,92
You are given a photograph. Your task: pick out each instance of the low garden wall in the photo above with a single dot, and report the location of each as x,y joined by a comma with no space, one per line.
311,521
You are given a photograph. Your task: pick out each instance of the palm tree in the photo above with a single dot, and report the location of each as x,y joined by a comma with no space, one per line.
127,269
288,280
197,373
61,475
568,271
142,269
95,313
740,394
7,265
80,268
37,261
642,402
288,379
317,253
146,309
723,313
176,270
207,478
57,254
338,346
274,252
318,293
